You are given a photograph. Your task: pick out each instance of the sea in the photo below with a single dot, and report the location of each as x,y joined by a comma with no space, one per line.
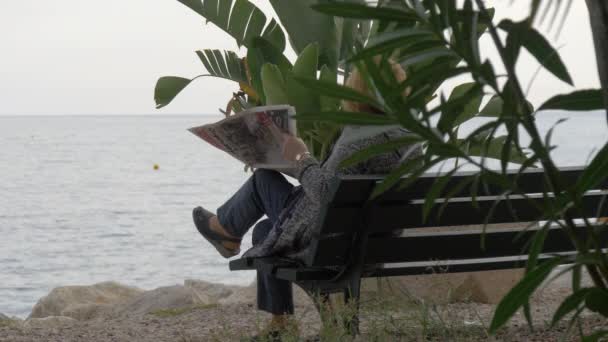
87,199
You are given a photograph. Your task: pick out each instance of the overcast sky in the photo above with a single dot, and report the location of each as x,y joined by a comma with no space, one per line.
104,57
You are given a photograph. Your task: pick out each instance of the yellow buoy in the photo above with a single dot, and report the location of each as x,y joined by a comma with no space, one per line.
156,167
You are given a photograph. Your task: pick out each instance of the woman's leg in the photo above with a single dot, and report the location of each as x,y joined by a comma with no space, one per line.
274,295
265,193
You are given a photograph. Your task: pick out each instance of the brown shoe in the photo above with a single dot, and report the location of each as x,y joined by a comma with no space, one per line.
201,219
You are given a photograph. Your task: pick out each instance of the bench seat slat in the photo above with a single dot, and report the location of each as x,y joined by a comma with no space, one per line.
267,265
241,264
304,274
456,245
466,246
486,265
311,274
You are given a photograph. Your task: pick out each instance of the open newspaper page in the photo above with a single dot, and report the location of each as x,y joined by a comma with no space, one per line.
253,136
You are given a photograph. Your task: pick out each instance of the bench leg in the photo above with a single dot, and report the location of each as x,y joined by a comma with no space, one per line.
352,296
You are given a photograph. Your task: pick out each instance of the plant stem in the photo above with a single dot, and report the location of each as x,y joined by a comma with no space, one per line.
598,15
536,144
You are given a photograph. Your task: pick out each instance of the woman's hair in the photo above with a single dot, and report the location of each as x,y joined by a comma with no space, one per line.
356,82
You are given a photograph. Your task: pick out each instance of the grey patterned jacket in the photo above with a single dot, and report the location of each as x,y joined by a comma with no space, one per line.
292,234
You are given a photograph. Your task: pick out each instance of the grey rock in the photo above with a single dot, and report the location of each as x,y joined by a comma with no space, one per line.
82,302
210,293
4,317
168,297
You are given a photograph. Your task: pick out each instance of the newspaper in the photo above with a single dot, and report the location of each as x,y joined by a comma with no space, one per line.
254,136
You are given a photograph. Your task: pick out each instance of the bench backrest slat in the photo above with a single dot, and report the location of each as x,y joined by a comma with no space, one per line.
349,211
388,217
356,189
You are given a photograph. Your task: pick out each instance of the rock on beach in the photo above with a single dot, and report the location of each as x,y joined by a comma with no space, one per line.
111,298
83,302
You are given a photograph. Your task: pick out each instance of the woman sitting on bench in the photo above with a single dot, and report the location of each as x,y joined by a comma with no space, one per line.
291,211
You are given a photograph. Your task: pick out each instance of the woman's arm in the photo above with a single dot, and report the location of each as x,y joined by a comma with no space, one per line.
313,178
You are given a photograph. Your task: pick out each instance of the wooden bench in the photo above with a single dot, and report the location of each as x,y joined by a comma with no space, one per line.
356,237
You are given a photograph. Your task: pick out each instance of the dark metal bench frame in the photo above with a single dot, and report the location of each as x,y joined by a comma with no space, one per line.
353,237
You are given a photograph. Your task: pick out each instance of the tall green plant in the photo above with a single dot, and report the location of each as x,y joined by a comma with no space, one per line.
265,75
438,40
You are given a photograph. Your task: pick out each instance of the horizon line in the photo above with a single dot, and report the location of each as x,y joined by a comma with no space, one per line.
109,114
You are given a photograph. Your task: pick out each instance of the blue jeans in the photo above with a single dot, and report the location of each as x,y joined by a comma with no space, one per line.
266,192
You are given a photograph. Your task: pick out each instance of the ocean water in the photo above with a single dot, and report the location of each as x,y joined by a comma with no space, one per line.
80,201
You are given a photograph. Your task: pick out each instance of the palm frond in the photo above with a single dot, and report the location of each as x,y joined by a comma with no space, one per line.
241,19
224,64
551,10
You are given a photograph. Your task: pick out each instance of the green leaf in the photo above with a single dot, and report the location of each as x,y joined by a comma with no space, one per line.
260,53
306,26
214,63
360,11
399,39
595,173
243,10
538,241
345,118
337,91
241,19
412,167
167,89
538,47
273,33
255,61
455,190
488,74
206,62
437,74
330,76
351,33
549,6
477,148
274,85
305,100
435,191
225,65
236,67
597,301
571,303
375,150
270,54
521,292
473,98
580,100
493,108
221,62
425,55
308,61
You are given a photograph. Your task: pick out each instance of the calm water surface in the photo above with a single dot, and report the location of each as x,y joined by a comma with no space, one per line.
81,203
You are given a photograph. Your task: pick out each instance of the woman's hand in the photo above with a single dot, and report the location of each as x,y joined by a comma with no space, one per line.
292,147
